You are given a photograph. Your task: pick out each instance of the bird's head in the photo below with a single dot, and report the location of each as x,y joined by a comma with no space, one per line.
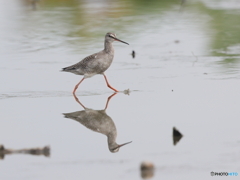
110,37
115,147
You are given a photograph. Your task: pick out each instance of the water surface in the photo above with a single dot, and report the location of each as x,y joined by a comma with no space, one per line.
185,75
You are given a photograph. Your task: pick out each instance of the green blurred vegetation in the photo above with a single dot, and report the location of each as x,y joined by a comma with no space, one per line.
225,25
92,18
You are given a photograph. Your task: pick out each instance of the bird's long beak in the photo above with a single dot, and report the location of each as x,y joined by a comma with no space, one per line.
121,145
116,39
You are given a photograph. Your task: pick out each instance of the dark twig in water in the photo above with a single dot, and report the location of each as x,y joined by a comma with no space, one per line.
133,54
176,136
33,151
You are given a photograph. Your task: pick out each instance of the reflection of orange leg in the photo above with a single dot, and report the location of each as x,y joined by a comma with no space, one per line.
109,100
109,84
77,86
78,101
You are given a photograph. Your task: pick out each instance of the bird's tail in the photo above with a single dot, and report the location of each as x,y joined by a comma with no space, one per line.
70,68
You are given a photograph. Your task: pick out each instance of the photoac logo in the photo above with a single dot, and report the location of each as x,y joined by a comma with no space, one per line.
224,173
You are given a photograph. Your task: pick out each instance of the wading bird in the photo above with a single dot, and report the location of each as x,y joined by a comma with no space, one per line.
96,63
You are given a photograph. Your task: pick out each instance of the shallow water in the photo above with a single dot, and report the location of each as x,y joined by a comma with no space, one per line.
185,75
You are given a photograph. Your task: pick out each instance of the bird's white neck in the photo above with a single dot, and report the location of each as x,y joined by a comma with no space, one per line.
111,137
108,47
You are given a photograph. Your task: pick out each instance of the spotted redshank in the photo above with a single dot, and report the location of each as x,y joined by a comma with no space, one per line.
96,63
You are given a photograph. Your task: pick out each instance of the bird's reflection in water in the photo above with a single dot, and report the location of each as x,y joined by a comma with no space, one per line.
98,121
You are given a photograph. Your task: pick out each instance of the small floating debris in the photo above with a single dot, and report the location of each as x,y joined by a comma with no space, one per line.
133,54
33,151
177,41
176,136
127,91
205,73
147,170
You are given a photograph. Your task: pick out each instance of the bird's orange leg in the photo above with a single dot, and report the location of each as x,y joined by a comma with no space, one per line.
109,84
109,100
78,101
77,86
